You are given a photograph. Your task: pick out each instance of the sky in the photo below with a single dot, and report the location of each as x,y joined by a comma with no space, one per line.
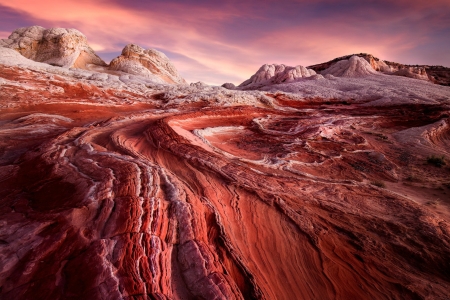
228,41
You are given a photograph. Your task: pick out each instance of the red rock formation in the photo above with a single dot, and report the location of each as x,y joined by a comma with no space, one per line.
107,198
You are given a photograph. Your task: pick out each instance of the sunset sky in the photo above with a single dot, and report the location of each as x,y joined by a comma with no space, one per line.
227,41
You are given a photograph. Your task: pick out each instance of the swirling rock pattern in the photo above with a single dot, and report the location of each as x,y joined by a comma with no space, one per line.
108,193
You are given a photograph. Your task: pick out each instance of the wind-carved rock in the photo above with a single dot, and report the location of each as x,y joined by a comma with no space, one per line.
412,72
436,74
378,64
273,74
55,46
147,63
353,67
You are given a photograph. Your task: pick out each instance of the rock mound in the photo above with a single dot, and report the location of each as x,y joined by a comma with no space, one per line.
436,74
56,46
274,74
229,86
353,67
147,63
376,63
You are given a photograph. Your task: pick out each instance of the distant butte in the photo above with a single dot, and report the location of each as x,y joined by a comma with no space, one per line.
122,181
436,74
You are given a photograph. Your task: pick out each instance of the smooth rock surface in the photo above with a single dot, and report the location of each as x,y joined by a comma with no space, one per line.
355,66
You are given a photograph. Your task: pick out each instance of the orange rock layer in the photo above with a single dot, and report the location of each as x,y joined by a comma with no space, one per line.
127,202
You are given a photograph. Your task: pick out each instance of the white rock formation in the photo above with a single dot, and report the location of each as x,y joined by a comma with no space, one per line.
147,63
273,74
373,90
412,72
353,67
56,46
199,84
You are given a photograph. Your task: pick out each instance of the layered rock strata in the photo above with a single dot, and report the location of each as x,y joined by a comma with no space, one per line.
114,188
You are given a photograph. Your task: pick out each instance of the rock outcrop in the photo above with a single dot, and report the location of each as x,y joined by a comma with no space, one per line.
229,86
412,72
355,66
69,48
56,46
377,64
147,63
273,74
437,74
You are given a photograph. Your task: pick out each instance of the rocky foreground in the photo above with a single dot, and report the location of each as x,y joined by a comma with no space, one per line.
118,186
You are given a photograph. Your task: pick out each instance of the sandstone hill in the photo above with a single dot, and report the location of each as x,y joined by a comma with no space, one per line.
436,74
353,67
56,46
147,63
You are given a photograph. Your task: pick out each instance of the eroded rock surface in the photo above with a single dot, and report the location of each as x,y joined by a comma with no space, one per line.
56,46
118,187
273,74
69,48
147,63
355,66
436,74
412,72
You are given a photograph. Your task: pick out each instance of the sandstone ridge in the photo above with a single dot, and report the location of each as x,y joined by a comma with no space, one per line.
436,74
